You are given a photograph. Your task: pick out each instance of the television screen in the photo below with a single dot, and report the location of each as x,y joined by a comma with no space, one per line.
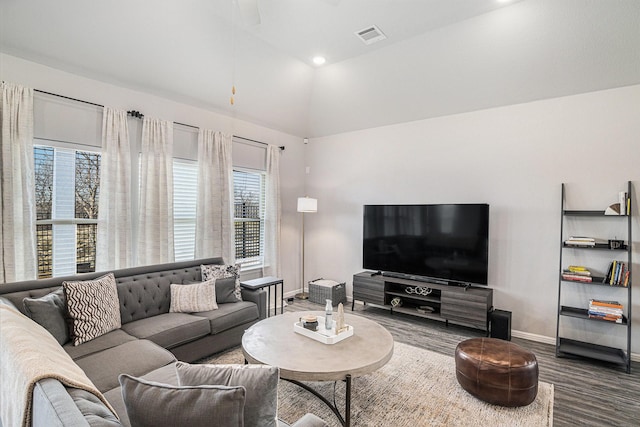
447,242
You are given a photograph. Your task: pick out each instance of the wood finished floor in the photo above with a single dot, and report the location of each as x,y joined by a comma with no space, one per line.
586,393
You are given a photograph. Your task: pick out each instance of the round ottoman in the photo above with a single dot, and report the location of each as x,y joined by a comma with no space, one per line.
497,371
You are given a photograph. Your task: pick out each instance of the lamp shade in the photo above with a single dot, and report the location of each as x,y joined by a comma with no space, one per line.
307,204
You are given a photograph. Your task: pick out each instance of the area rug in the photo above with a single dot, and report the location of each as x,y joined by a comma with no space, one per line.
416,387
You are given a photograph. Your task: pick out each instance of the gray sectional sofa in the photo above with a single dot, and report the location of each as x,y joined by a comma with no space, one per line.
147,345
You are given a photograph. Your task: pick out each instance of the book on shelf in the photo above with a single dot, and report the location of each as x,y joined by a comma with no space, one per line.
602,303
607,318
576,277
617,274
579,242
578,269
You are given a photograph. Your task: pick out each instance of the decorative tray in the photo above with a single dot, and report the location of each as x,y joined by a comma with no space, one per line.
323,335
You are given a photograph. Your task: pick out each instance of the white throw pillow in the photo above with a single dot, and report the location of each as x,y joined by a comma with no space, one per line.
93,307
193,298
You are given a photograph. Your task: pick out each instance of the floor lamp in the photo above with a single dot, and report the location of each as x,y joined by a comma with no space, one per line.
305,205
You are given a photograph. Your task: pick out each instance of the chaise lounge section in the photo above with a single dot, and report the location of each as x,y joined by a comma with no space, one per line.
148,343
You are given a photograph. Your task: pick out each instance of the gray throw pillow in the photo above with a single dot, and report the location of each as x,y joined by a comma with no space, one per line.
222,271
93,307
151,404
225,289
260,382
49,312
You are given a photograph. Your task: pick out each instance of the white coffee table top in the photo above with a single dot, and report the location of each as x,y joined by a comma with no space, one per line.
273,342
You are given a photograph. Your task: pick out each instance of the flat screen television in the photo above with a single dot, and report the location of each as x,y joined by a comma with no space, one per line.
447,243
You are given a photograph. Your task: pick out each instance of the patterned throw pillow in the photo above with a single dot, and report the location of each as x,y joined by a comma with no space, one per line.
221,271
193,298
93,307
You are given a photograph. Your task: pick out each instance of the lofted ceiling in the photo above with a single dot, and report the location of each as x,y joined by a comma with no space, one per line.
440,57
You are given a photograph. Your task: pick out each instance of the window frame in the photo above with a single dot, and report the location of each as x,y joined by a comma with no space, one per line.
63,147
253,262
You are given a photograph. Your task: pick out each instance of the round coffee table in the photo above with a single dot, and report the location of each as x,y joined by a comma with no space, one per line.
272,341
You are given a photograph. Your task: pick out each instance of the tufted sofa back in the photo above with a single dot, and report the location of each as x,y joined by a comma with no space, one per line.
142,291
149,294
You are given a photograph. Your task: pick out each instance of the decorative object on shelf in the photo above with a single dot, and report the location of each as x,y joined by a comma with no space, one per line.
616,244
328,315
305,205
340,325
418,290
623,207
396,302
424,309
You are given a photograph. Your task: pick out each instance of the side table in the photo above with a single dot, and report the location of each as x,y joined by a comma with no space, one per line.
268,282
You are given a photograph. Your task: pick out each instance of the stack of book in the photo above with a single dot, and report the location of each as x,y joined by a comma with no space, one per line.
577,273
617,274
605,310
580,241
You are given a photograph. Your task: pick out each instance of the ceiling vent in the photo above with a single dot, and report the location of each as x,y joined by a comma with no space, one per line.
370,35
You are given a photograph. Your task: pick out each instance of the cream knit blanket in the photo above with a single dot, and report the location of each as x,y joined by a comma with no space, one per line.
28,354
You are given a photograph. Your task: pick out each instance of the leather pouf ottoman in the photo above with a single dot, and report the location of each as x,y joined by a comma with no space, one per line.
497,371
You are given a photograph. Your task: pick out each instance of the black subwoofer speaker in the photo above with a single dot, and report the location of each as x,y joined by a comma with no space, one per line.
501,324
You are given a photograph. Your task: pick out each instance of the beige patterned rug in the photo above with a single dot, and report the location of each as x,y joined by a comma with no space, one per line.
416,388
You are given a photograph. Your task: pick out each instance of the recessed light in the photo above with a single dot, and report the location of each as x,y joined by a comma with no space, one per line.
319,60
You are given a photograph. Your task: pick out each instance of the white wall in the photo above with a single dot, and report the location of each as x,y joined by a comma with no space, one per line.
53,116
513,158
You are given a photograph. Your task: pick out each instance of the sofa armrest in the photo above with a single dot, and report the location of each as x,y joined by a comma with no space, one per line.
8,302
54,407
310,420
259,297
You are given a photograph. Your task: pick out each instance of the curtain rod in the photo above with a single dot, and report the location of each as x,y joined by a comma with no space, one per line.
139,115
68,97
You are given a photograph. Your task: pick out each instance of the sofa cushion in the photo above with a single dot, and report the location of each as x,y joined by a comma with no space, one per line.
134,357
260,381
170,329
103,342
49,312
93,307
154,404
214,271
193,298
228,316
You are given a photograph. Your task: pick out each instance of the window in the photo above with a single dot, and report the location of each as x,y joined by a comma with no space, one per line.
185,193
67,187
249,200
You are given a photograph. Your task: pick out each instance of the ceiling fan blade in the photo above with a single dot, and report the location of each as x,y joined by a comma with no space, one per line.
249,11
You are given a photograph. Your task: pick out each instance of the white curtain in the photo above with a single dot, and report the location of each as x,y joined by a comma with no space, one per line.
155,224
17,187
113,247
214,225
272,213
